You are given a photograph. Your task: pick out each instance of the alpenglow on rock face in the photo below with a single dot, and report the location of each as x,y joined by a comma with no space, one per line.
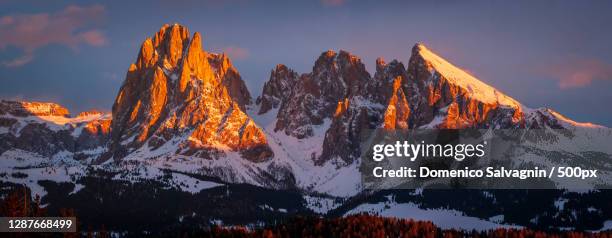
448,97
429,93
183,109
47,130
178,93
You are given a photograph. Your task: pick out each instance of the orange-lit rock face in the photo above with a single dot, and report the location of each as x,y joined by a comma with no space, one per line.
398,110
46,129
90,113
98,127
342,107
95,133
458,99
175,90
430,93
23,109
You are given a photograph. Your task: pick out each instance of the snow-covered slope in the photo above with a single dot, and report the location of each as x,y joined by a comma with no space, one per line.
334,177
476,88
48,130
444,218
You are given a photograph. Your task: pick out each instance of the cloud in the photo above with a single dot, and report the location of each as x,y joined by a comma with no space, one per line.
71,27
579,73
236,53
333,3
24,59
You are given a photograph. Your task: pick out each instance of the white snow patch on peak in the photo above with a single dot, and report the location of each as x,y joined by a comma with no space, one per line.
56,123
60,120
459,77
572,122
536,114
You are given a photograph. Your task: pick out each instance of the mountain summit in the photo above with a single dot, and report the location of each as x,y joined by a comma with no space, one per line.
179,95
448,97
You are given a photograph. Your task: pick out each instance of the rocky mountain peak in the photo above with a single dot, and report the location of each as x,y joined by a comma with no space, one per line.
278,89
443,89
281,69
166,47
92,112
170,42
23,109
337,75
332,61
388,71
178,90
426,60
418,47
380,64
314,97
46,129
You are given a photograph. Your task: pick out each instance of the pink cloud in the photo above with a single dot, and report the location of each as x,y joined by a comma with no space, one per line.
579,73
236,53
93,37
19,61
333,3
71,27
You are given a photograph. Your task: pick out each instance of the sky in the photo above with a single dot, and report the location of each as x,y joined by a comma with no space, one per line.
555,54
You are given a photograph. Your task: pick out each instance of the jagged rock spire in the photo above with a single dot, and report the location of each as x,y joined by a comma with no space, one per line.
177,90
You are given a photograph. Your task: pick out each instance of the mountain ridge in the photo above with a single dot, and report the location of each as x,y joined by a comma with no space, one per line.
185,109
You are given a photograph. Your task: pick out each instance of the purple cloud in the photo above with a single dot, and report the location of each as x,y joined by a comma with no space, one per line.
71,27
236,53
579,73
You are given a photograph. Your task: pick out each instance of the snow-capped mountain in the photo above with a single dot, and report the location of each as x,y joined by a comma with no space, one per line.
335,106
184,120
183,109
47,129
